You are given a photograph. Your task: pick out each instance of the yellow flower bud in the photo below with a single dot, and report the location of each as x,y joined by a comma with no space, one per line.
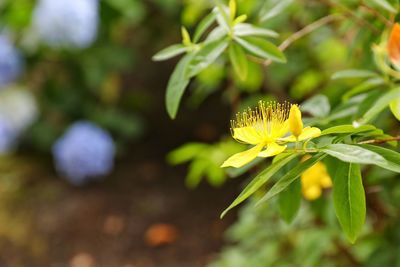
295,122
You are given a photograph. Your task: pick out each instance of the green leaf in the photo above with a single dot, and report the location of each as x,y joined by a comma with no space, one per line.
291,176
347,129
261,48
318,106
185,153
354,154
207,55
273,8
216,34
289,201
395,108
385,5
177,84
203,26
245,29
392,157
222,16
363,87
349,199
380,104
259,181
196,171
353,73
169,52
238,60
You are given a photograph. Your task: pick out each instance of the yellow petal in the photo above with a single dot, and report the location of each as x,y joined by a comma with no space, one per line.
295,122
242,158
280,129
248,135
309,132
272,150
290,138
312,192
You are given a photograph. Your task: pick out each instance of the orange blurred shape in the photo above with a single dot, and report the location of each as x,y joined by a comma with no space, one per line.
394,45
161,234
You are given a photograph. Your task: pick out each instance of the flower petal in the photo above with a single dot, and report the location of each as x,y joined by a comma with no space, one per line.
242,158
272,150
309,132
248,135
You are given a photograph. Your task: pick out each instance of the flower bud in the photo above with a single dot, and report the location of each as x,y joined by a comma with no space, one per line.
394,45
295,122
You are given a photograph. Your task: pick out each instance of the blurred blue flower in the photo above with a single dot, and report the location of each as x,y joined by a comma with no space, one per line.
67,23
84,152
8,136
10,61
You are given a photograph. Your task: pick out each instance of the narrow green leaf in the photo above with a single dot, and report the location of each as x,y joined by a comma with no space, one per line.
169,52
392,157
289,201
273,8
222,15
246,29
261,48
354,154
177,84
290,177
381,104
347,128
207,55
349,199
203,26
259,181
216,34
385,5
238,60
363,87
353,73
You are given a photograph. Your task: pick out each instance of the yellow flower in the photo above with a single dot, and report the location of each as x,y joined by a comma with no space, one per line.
296,127
314,180
262,127
266,127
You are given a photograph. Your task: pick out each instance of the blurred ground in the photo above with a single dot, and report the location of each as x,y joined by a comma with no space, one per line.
46,222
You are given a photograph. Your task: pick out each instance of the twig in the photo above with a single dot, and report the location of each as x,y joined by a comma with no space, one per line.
348,12
301,33
380,141
375,13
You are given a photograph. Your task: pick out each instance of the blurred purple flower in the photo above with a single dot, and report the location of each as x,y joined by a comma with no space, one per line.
8,136
67,23
10,61
84,152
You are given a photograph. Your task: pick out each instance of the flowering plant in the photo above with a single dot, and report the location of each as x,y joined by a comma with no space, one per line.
345,136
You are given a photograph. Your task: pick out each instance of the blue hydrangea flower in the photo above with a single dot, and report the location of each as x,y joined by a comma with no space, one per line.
84,152
10,61
8,136
67,23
